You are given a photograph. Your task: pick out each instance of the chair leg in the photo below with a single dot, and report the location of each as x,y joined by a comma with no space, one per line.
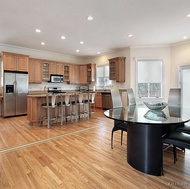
112,138
121,137
175,154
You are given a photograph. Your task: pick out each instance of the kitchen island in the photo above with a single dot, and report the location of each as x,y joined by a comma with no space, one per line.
34,105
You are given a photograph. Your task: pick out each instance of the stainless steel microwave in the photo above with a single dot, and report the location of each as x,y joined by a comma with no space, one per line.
56,78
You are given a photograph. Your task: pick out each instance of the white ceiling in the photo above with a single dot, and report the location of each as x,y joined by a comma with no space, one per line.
152,22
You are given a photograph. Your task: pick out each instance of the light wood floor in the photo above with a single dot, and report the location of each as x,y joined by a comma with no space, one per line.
77,156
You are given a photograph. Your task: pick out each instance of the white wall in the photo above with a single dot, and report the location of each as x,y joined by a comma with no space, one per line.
180,55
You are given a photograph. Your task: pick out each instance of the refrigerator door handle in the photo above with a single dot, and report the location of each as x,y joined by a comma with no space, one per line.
15,86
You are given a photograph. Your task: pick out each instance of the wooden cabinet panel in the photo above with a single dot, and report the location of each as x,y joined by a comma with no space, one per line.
45,71
60,68
117,69
74,74
53,68
66,73
91,73
15,62
98,100
83,74
35,71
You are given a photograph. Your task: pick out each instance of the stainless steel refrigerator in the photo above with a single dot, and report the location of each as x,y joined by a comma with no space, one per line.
15,93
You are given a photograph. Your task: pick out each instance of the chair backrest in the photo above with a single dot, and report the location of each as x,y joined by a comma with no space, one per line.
116,98
131,97
174,98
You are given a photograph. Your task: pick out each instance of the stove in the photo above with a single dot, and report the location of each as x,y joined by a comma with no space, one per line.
55,90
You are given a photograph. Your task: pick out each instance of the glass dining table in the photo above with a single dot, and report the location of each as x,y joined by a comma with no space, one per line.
145,129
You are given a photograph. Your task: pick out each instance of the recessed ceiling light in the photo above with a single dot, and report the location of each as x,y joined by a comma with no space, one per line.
42,43
130,35
81,42
89,18
77,50
38,30
188,15
98,52
63,37
185,37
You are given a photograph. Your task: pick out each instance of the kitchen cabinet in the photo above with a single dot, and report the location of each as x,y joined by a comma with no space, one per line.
35,70
15,62
45,71
60,68
66,73
91,73
74,74
117,69
83,74
98,100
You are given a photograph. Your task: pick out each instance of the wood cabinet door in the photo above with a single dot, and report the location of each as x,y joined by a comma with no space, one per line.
9,62
60,68
98,100
74,74
53,68
83,74
35,71
22,63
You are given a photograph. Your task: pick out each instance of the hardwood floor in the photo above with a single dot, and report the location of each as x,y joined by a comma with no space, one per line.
77,156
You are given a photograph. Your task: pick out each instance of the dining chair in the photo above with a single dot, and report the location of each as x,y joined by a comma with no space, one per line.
131,97
174,102
118,125
177,139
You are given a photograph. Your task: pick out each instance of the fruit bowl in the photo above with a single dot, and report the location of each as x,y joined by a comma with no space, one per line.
156,105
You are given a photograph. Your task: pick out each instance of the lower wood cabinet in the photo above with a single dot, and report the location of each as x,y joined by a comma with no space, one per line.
98,100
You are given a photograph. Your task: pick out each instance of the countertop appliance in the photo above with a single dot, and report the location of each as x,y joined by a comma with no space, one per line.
83,88
15,93
56,78
55,90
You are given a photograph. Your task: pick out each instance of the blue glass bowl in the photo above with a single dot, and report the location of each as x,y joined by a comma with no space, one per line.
156,105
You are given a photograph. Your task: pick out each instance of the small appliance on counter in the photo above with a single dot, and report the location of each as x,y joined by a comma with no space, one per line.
55,90
83,88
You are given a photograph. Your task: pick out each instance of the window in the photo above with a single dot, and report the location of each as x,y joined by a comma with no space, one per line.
103,76
149,78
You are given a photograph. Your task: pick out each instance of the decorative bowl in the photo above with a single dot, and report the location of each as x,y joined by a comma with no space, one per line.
156,105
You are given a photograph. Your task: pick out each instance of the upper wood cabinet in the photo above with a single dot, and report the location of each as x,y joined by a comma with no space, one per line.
56,68
91,73
45,71
66,73
83,74
35,70
74,74
15,62
117,69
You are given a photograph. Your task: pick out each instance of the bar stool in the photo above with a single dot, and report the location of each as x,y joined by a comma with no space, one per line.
92,101
83,105
74,106
64,105
50,105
